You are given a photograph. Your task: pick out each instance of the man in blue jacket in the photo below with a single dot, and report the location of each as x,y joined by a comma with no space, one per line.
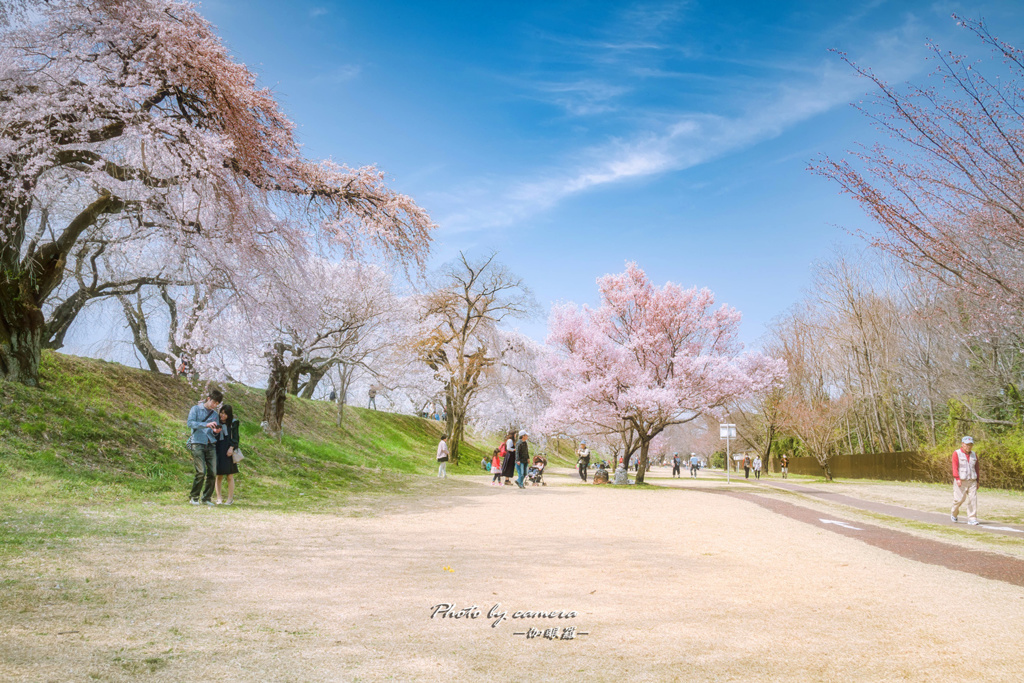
204,422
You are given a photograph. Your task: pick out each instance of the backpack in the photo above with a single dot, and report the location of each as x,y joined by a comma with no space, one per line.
502,450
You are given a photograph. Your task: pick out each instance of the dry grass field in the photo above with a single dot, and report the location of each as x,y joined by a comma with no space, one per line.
667,584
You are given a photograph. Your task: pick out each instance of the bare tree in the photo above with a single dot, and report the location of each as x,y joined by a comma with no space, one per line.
459,341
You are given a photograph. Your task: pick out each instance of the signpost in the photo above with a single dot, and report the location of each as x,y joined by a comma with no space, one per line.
727,432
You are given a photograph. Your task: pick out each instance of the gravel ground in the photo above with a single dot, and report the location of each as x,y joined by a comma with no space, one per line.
671,584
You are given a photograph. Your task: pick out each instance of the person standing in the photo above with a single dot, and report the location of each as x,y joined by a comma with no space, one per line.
785,466
582,460
694,465
676,465
496,466
372,403
226,447
442,457
522,458
202,420
746,467
508,460
965,481
757,466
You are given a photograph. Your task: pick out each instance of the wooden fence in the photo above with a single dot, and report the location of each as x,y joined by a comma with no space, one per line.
906,466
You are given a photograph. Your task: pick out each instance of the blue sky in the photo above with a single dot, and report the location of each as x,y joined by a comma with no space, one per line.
574,136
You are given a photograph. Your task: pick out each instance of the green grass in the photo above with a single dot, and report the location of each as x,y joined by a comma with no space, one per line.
97,434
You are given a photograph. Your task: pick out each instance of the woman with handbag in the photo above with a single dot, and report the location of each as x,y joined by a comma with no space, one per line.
228,453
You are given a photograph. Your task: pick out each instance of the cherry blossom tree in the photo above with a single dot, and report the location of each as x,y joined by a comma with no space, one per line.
649,357
512,395
123,118
294,319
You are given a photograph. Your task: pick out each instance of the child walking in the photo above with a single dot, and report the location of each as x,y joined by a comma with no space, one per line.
496,468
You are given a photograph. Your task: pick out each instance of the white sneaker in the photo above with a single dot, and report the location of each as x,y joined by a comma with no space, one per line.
952,518
194,501
973,522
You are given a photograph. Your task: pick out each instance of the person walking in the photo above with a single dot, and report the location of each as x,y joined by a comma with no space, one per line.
746,467
496,466
676,465
202,420
226,447
965,481
694,465
522,458
442,457
757,466
582,460
785,466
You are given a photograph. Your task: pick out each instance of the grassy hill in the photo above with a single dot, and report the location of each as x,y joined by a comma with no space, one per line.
101,432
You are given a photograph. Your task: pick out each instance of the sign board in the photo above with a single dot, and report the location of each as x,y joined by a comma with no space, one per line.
726,431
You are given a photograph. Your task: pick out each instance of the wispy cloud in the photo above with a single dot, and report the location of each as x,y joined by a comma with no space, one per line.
318,12
682,141
343,73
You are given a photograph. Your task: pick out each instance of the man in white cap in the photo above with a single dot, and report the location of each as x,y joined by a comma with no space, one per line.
522,458
965,481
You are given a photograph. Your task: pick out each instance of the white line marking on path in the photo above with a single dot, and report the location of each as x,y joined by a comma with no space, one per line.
842,524
1003,528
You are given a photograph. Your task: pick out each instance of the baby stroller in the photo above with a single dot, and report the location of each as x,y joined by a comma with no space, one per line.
535,475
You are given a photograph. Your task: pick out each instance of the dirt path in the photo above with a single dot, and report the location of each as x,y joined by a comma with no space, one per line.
671,584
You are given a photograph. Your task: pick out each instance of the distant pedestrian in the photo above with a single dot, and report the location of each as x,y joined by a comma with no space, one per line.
205,426
785,466
508,460
372,403
746,467
582,460
496,466
757,466
522,458
694,465
965,481
333,397
442,457
226,447
676,465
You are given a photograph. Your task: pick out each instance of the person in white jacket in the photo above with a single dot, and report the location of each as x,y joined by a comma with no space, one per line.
442,457
965,481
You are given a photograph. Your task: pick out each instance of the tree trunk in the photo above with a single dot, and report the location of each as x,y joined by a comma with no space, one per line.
277,385
21,341
457,425
315,376
641,465
825,468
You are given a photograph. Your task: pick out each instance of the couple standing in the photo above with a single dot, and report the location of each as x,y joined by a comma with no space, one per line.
515,457
213,443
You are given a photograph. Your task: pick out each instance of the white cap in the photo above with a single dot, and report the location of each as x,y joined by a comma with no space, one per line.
523,433
967,439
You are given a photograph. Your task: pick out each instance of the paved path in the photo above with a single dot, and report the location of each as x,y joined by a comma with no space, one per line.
980,563
940,518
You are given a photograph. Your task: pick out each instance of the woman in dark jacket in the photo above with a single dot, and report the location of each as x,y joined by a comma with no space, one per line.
508,463
226,446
